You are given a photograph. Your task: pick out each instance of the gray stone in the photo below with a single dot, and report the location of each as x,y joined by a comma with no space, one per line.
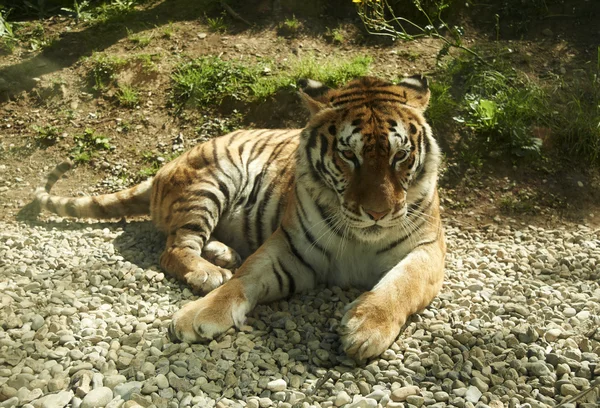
126,389
400,394
99,397
473,394
37,322
58,400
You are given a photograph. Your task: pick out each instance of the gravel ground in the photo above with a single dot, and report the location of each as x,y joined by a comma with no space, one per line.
85,309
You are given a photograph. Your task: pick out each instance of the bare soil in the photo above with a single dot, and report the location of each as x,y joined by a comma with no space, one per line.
53,86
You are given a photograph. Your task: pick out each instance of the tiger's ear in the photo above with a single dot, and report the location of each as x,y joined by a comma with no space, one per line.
313,94
416,90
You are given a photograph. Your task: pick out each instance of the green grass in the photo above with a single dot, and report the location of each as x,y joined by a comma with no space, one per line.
207,81
154,162
168,31
498,111
289,27
88,144
216,24
573,117
47,135
442,106
148,61
104,69
8,40
494,108
335,35
127,96
139,40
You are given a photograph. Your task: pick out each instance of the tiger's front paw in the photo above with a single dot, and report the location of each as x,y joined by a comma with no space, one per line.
368,328
206,318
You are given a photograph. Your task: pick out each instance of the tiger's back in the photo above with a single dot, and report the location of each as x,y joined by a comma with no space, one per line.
242,179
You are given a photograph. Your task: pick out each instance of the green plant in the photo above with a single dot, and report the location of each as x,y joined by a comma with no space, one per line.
442,106
155,162
40,8
79,11
519,202
572,114
104,69
113,10
289,27
379,18
168,31
335,35
208,80
47,135
127,96
498,105
216,24
88,144
37,37
147,61
8,39
139,40
329,71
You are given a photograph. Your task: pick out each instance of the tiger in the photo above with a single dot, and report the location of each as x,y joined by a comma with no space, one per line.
351,200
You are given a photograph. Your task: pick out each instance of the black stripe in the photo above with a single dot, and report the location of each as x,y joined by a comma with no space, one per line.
232,160
372,101
325,218
192,226
71,208
432,241
370,93
50,205
276,220
259,221
225,190
278,276
402,239
253,197
99,208
209,195
268,195
290,278
156,193
216,160
252,157
193,207
307,234
296,253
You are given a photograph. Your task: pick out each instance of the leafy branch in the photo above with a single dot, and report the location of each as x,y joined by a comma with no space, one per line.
379,18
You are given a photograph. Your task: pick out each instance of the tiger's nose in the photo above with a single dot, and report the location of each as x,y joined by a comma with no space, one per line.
376,215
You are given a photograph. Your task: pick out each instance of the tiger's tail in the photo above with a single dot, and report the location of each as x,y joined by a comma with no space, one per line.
132,201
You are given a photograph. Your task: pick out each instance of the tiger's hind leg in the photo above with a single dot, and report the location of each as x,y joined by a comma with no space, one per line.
182,259
221,255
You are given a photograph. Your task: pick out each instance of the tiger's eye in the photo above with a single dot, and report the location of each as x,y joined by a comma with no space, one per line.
399,156
348,154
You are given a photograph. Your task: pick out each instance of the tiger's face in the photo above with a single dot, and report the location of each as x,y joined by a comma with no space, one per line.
368,143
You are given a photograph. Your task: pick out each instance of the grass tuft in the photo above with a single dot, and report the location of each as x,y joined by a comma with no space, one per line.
209,80
88,144
47,135
104,69
128,96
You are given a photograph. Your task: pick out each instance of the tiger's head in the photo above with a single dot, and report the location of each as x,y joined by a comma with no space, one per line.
368,144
